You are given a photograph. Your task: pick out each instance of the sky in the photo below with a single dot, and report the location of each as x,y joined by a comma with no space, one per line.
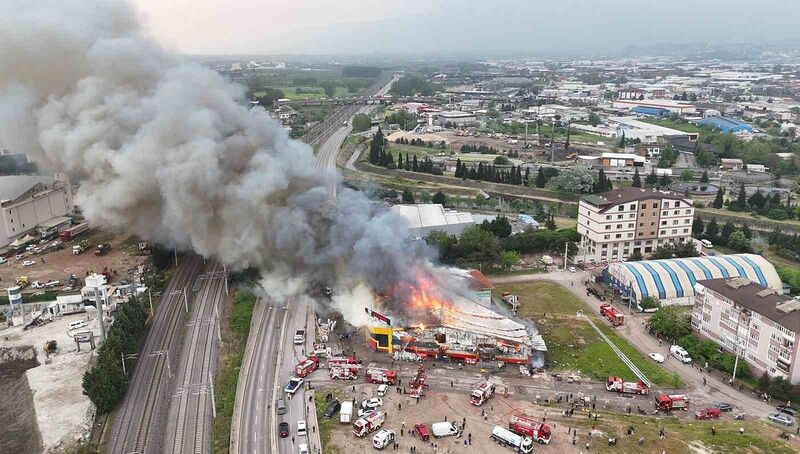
464,27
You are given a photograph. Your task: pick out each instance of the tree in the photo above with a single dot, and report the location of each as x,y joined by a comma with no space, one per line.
712,229
687,175
704,177
501,161
509,258
479,245
330,90
741,200
719,199
577,179
651,179
637,180
648,302
445,245
550,224
664,181
671,322
361,122
541,180
622,140
594,120
408,197
697,227
499,226
739,242
439,198
725,233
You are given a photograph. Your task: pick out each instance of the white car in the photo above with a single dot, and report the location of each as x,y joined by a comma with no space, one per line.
302,449
572,269
299,336
301,428
781,418
372,403
3,260
362,413
657,357
294,384
382,389
29,263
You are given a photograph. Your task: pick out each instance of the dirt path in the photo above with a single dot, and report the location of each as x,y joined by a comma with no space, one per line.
635,332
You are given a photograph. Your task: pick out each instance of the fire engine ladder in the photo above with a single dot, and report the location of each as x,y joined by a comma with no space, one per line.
619,353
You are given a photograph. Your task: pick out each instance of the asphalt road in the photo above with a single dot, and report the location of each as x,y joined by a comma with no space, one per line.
141,418
190,406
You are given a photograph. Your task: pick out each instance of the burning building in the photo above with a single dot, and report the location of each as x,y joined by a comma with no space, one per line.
454,323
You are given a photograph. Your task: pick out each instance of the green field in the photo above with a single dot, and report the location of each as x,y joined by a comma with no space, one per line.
572,344
314,92
674,124
412,150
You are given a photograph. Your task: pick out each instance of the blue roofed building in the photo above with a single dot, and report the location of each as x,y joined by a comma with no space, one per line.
672,281
725,124
652,111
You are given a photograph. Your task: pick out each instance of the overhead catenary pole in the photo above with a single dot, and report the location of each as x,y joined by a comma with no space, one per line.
99,302
566,251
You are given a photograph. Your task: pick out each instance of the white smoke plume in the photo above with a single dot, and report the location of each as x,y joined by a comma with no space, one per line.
168,150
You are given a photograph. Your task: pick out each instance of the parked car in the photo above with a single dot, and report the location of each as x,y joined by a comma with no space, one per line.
572,269
332,408
781,418
302,449
382,389
363,413
301,428
283,429
3,260
372,403
657,357
723,406
422,432
29,263
786,409
293,385
708,413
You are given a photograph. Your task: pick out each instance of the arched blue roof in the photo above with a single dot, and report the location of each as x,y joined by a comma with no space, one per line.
675,278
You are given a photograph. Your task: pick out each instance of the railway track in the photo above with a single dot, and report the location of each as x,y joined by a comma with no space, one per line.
191,403
139,423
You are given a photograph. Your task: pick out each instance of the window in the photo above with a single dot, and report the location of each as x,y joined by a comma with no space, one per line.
675,222
605,246
674,231
644,205
619,235
632,207
630,235
676,212
608,227
608,218
664,213
666,204
605,237
663,232
655,205
652,223
687,221
619,226
641,224
685,230
641,233
648,250
688,211
619,216
632,215
621,208
630,226
663,222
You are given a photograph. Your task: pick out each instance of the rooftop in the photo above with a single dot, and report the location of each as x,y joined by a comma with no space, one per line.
625,195
767,302
431,215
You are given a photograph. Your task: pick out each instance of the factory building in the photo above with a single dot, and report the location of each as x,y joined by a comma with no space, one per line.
35,204
422,219
762,324
647,133
652,111
726,125
678,107
672,281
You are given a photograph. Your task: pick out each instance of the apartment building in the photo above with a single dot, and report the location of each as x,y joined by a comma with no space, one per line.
615,224
762,322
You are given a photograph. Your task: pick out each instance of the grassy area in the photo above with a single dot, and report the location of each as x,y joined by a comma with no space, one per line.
309,92
234,339
421,152
681,436
326,424
745,216
572,344
674,124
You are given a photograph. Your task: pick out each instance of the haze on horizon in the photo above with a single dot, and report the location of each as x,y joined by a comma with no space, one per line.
464,27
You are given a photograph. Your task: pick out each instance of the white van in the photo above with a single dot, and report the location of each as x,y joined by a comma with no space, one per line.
77,324
680,354
443,429
707,244
383,438
382,389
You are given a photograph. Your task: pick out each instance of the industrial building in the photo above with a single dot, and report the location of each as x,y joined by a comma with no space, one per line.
672,281
615,224
678,107
425,218
456,117
39,205
727,125
464,328
647,133
762,324
652,111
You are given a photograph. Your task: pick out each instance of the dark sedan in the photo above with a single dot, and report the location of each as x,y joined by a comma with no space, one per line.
283,429
332,409
786,409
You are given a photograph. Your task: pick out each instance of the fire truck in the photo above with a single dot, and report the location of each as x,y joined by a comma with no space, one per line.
608,311
537,431
306,366
369,423
417,384
482,393
626,387
667,402
379,375
343,367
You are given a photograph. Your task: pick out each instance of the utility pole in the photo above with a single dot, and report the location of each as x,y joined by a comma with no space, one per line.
176,257
94,281
566,251
213,398
150,297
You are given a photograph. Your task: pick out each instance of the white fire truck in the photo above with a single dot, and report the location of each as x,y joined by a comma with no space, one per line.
482,393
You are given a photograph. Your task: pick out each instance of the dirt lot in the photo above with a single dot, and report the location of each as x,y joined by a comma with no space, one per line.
58,264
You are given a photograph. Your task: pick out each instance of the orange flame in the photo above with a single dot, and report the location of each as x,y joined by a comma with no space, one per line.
421,298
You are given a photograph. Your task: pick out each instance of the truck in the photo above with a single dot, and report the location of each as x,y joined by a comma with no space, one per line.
380,375
511,440
538,432
680,354
306,366
708,413
343,373
75,230
482,393
383,438
346,412
369,423
102,249
667,402
626,387
609,312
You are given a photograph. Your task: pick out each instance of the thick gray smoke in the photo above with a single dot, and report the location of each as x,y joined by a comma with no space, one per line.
168,151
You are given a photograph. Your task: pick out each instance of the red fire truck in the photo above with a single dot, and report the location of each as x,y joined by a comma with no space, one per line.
482,393
667,402
306,366
538,432
608,311
368,423
380,375
626,387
